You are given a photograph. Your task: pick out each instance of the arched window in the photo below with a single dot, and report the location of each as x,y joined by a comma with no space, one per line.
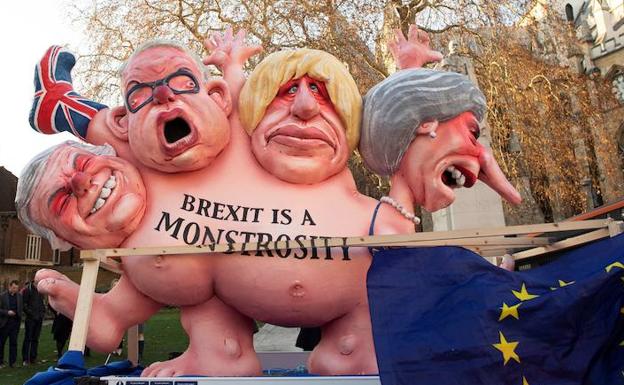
569,12
620,142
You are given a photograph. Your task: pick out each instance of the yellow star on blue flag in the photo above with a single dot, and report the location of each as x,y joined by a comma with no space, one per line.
508,349
613,266
523,294
507,311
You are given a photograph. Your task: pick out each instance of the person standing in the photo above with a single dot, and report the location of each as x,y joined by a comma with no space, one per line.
61,330
10,319
34,311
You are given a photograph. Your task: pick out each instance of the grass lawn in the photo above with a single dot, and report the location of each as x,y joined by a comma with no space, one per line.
163,334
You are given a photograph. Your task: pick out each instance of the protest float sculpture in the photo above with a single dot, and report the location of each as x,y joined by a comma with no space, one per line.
210,179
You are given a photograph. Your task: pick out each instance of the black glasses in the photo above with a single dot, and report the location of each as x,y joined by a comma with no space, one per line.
180,82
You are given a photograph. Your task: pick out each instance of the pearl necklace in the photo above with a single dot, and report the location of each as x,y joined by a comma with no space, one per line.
402,210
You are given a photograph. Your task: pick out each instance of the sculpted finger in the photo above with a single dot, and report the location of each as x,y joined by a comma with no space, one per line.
209,44
393,48
435,56
398,35
228,34
240,35
217,58
412,34
252,50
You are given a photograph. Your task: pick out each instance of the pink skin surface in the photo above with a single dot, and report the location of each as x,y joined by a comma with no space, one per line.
421,180
301,138
204,115
73,182
216,293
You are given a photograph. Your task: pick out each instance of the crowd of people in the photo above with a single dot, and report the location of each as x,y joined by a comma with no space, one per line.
27,304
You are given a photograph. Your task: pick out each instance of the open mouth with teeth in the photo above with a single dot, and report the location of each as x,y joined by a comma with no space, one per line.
106,192
456,177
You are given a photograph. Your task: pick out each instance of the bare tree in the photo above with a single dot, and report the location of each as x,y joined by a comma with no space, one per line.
543,117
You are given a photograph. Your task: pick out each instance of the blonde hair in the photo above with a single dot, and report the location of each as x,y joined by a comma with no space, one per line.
280,67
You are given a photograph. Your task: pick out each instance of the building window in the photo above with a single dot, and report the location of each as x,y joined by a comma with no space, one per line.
569,12
620,142
33,247
56,256
618,87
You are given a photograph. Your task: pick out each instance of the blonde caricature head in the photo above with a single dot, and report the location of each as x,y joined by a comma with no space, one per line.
280,67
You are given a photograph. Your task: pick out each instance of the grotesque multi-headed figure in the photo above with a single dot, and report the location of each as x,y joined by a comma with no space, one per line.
268,166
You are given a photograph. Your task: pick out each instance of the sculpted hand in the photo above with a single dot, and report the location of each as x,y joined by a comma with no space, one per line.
413,52
228,50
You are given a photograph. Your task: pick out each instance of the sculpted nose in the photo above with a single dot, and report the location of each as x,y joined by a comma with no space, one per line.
163,94
305,106
80,183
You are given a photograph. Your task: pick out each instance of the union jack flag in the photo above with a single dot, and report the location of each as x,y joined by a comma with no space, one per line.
56,106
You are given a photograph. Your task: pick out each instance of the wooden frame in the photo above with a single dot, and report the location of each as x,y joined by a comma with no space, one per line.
487,242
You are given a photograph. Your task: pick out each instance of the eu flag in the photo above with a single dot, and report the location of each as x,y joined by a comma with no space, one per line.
444,315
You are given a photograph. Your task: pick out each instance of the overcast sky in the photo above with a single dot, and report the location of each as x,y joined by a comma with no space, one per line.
27,29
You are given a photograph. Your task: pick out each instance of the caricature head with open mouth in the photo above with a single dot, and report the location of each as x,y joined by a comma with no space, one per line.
422,126
302,109
80,195
173,119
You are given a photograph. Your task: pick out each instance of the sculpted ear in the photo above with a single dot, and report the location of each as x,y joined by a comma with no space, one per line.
220,93
428,128
117,122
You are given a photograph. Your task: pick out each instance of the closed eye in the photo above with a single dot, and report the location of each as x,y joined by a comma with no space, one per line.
59,200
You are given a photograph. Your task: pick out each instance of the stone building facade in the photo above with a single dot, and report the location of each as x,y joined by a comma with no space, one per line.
597,55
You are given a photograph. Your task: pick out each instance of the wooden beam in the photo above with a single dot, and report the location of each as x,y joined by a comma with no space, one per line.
133,345
82,313
564,244
361,241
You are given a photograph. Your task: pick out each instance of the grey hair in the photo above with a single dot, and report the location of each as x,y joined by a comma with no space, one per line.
396,107
166,43
30,178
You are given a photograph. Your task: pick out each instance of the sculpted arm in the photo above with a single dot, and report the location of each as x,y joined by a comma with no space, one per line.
228,52
112,313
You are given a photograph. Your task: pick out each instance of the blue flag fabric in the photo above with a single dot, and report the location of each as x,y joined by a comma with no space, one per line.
444,315
72,365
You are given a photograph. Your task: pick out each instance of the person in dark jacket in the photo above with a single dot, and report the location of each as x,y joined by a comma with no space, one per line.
10,319
34,311
61,330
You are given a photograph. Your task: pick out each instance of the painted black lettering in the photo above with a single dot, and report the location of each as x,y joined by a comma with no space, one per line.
232,213
299,239
165,218
284,253
203,207
307,218
190,227
264,244
187,205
